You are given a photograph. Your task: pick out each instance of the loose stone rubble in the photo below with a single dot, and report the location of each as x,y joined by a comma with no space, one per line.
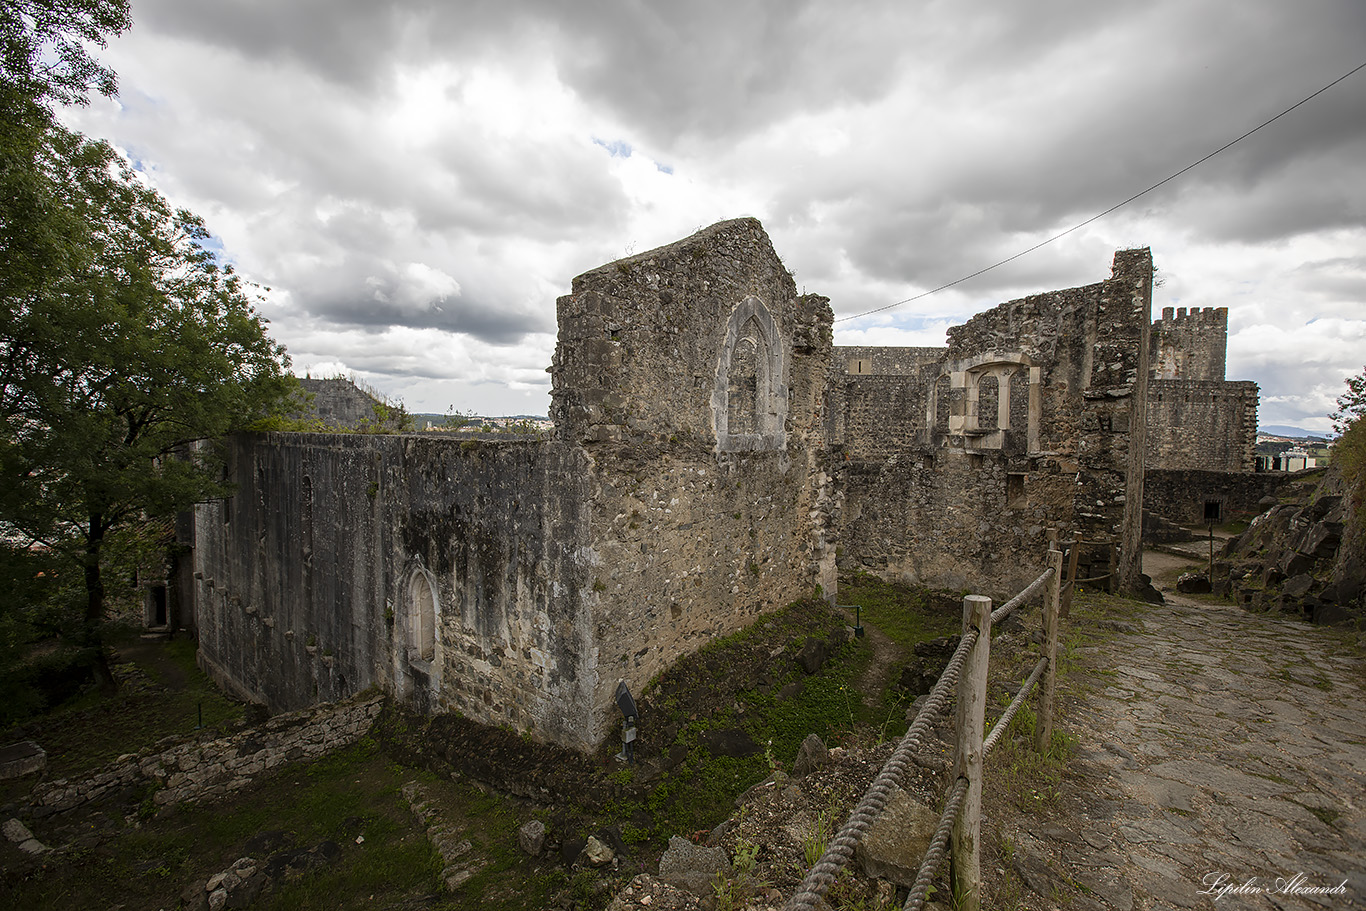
459,862
205,769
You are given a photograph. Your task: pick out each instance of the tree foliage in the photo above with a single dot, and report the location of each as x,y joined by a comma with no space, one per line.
44,49
122,344
1349,449
1351,404
126,349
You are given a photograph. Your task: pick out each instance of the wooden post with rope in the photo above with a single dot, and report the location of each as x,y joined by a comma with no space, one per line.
1052,608
1072,559
965,842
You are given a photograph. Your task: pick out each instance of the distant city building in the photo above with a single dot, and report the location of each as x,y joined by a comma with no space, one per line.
1290,460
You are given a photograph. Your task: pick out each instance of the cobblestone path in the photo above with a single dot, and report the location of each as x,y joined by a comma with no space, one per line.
1221,763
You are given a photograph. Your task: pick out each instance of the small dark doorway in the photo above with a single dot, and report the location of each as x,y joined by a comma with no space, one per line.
157,614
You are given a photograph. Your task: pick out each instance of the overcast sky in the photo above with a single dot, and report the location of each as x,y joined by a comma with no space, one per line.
418,180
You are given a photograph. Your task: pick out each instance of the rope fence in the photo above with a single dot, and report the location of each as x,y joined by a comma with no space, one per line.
958,832
1073,558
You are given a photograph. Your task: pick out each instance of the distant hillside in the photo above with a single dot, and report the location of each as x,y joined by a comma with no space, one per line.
423,416
1298,433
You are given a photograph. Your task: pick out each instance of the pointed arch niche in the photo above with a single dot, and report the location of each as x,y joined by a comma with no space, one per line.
749,400
417,659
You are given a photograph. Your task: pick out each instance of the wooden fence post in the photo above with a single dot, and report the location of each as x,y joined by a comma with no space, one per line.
965,850
1043,727
1073,557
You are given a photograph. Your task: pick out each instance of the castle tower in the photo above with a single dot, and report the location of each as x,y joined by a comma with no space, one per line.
1189,345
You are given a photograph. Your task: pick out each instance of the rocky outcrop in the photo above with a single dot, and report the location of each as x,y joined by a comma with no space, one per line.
1306,557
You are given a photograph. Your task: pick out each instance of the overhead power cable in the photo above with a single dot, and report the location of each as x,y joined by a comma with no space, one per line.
1118,205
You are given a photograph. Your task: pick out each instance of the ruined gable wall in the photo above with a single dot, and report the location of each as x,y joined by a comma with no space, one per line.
969,508
1202,424
337,402
694,533
307,579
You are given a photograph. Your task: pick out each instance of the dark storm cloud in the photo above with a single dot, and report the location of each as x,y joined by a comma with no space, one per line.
369,296
347,41
889,147
1021,147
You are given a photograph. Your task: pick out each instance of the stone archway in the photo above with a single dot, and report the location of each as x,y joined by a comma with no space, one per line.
749,399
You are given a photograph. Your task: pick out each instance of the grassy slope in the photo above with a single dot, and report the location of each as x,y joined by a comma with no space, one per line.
748,682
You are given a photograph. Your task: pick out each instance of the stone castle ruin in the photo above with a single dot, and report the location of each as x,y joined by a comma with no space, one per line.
715,456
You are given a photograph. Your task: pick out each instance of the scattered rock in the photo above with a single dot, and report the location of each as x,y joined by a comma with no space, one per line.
1297,586
596,853
813,655
1146,590
1193,584
16,831
895,843
811,757
20,759
645,891
692,867
531,837
239,886
732,742
1333,615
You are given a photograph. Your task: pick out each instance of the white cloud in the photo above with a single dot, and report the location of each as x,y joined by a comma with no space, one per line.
418,181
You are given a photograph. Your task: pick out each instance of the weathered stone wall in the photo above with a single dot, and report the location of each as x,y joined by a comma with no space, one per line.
954,469
1202,424
1189,346
338,402
711,448
865,360
693,375
209,768
686,492
452,574
1180,495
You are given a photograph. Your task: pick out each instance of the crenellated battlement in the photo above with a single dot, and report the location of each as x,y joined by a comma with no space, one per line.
1210,316
1189,344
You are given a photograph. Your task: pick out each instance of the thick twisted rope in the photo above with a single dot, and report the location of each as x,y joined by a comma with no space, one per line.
1005,610
841,848
935,855
999,728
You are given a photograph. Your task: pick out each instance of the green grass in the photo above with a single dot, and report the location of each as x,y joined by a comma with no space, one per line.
93,729
905,615
353,792
700,791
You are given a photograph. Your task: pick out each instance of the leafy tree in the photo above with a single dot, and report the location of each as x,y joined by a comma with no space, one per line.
125,349
1349,449
1351,404
44,49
